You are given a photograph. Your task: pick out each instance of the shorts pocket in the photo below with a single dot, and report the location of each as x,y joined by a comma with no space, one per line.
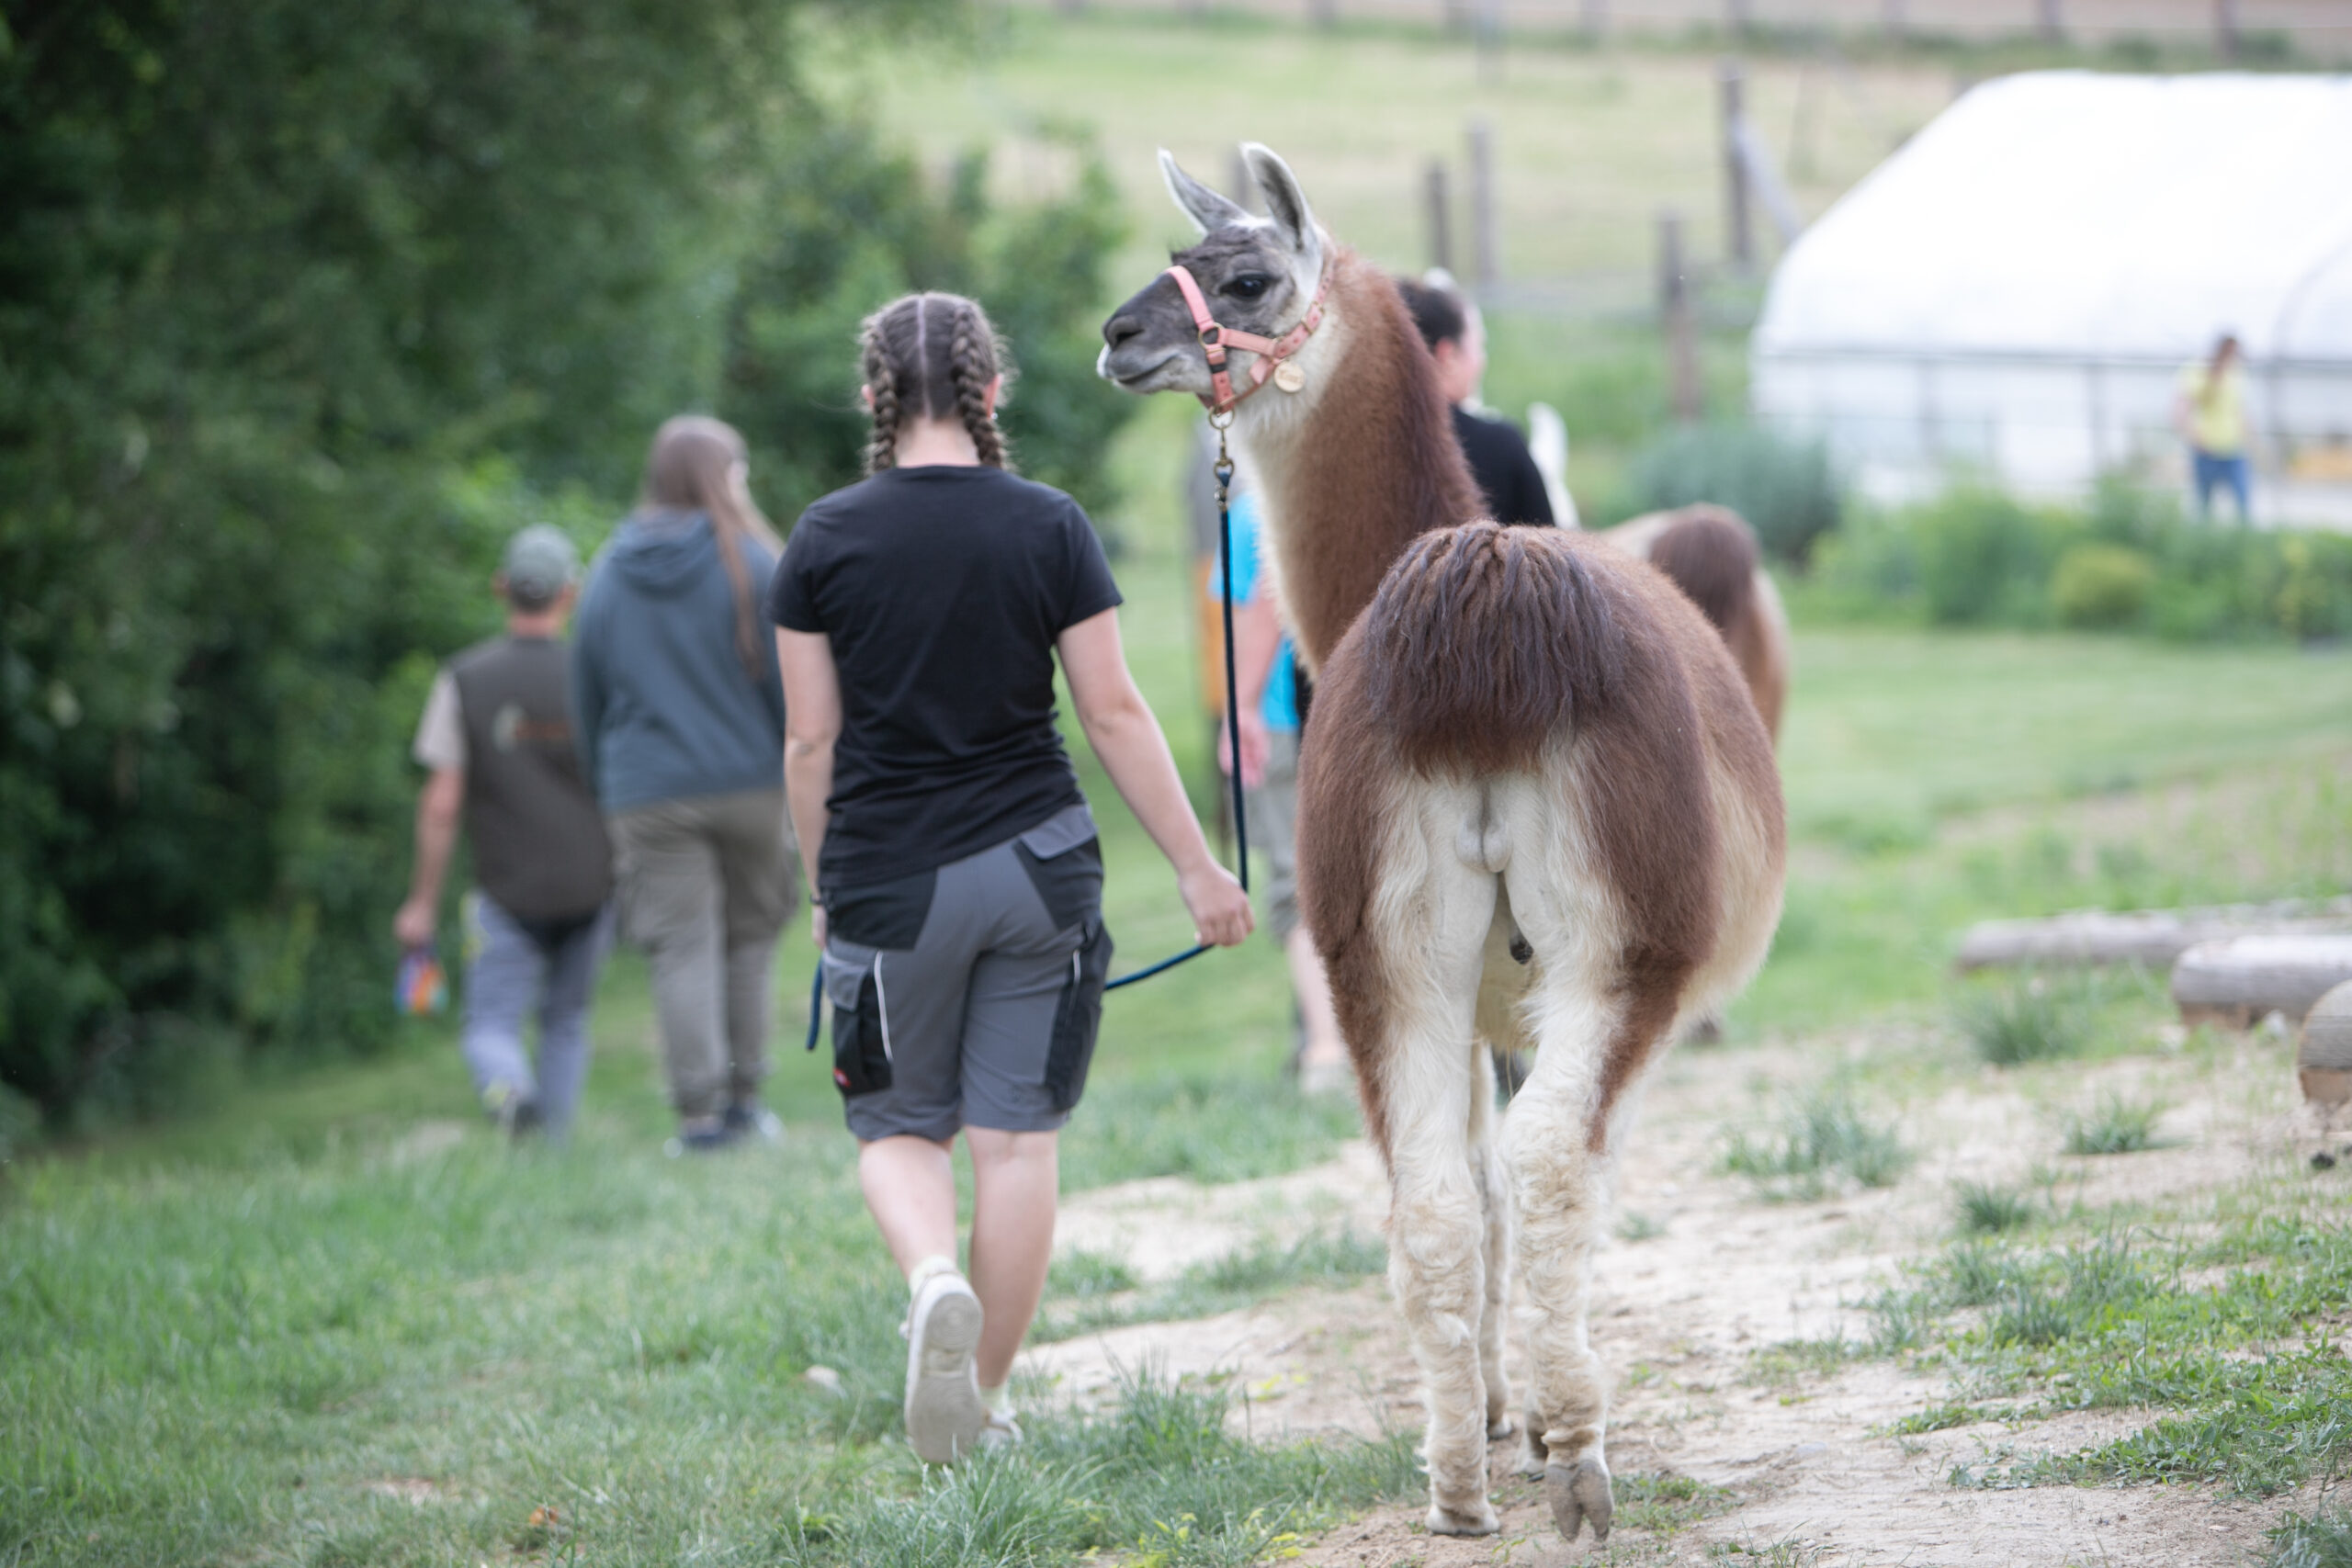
861,1032
1068,881
1078,1018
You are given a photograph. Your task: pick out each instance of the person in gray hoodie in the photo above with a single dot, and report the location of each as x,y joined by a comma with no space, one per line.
681,724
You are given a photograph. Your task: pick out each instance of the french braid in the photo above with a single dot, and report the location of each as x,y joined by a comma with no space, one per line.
971,364
931,357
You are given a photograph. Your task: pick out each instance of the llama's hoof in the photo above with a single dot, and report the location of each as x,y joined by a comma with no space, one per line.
1500,1426
1480,1520
1578,1493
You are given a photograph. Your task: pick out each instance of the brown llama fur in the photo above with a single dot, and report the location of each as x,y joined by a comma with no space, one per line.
1537,810
1711,553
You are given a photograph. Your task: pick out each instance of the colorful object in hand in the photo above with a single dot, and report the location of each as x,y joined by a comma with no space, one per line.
420,988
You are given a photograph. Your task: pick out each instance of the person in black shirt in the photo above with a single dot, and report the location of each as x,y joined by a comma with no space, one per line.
958,882
1500,460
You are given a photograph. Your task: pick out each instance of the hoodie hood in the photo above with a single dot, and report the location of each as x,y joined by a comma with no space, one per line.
664,552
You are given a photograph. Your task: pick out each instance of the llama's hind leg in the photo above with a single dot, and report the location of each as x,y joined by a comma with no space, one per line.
1559,1190
1438,1228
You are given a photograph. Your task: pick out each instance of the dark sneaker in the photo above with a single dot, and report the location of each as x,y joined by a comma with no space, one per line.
702,1141
945,1415
754,1121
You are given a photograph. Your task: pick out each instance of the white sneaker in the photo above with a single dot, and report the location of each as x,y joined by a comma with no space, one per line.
944,1415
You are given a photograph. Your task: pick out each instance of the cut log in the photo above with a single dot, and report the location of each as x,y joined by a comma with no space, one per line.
2156,938
2241,979
2323,1061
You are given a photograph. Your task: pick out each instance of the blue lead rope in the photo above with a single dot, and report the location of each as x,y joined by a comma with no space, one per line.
1224,471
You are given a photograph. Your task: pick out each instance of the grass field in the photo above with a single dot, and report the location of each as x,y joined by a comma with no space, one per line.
333,1322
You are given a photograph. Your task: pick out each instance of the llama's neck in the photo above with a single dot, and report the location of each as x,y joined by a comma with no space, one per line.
1350,477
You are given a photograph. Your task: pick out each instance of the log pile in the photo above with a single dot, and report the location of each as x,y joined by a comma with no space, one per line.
2238,981
2153,938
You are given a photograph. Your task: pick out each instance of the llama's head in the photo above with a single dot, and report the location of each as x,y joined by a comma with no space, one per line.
1258,273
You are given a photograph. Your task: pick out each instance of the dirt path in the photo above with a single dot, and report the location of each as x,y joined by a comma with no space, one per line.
1679,1315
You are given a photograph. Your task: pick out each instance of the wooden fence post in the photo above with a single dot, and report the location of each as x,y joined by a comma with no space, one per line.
2052,21
1895,22
1439,211
2225,27
1486,244
1323,13
1486,33
1739,227
1594,15
1673,311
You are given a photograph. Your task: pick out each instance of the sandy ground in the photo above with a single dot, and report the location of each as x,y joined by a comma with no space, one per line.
1678,1316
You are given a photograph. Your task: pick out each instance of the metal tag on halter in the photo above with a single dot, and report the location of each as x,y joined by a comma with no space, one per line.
1289,377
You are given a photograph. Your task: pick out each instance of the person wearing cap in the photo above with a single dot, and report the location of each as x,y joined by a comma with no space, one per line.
497,736
1506,472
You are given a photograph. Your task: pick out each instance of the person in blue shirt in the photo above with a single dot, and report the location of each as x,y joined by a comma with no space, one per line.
1266,677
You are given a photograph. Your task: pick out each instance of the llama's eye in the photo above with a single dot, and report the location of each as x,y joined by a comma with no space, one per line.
1250,286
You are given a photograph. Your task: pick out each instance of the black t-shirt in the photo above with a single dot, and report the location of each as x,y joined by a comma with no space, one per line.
941,591
1505,470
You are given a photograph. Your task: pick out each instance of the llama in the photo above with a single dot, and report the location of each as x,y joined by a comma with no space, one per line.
1537,807
1711,553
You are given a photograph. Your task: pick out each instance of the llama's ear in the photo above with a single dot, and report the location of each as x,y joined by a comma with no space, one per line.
1285,203
1208,210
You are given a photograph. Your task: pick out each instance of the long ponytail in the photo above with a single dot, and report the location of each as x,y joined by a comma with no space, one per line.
698,465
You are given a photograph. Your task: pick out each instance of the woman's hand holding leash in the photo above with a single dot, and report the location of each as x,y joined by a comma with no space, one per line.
1220,909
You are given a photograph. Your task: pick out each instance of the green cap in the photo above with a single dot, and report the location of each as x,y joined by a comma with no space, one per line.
540,564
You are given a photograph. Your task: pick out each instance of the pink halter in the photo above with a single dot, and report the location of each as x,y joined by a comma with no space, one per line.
1270,351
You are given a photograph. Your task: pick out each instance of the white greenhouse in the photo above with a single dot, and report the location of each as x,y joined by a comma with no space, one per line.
2015,292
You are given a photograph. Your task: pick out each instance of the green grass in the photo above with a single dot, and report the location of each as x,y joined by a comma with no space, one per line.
1819,1141
2215,1320
1986,1210
2322,1540
1221,1285
2113,1126
2025,1020
1665,1504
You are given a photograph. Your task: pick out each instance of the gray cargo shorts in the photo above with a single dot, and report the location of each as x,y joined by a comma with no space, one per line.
970,996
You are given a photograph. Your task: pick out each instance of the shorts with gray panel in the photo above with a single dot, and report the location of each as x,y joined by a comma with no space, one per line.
969,996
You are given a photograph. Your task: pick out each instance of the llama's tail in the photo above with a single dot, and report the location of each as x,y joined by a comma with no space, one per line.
1711,553
1484,641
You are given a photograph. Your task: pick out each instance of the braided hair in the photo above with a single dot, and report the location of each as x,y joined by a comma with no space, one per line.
931,357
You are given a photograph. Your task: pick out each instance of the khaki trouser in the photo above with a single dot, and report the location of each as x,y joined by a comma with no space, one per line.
1273,832
705,884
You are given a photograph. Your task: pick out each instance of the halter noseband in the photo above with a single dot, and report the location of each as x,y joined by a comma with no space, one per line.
1270,351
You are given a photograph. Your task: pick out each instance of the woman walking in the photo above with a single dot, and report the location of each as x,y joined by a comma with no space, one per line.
681,725
957,876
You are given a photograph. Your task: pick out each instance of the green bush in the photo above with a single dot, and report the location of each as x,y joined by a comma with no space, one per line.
1786,488
2101,587
2130,558
306,310
1983,558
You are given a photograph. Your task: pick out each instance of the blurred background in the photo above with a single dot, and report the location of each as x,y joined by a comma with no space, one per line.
307,310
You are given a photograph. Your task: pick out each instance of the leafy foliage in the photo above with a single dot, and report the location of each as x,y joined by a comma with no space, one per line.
306,310
1786,488
2129,561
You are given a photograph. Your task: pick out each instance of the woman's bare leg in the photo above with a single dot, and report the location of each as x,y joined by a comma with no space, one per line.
1016,1178
909,1184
